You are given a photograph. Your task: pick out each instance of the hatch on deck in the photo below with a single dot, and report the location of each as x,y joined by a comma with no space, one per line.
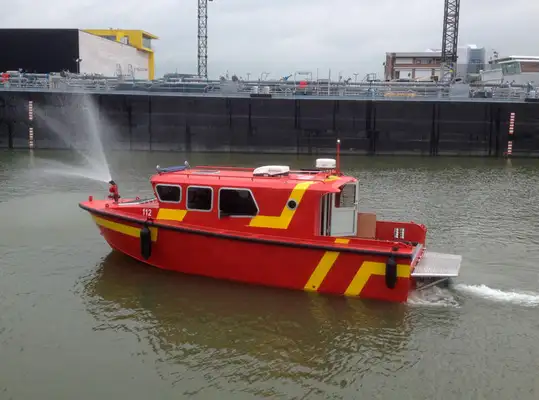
437,265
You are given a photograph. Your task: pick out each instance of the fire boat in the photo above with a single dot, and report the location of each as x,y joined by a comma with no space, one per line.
272,226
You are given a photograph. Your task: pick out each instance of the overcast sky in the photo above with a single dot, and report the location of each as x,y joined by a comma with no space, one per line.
284,36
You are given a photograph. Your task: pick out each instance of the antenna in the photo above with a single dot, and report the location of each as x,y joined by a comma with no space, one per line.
338,169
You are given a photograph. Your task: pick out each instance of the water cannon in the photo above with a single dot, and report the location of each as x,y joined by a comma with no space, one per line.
114,193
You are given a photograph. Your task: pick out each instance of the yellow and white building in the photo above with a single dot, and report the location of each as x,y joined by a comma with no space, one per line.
111,51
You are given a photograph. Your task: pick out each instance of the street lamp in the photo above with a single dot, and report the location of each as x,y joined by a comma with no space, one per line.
78,61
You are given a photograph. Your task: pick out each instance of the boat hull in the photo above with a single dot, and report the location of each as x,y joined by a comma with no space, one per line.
259,263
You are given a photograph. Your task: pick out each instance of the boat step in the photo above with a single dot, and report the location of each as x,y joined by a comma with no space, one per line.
437,265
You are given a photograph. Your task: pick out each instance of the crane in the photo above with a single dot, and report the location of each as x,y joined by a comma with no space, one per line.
450,40
203,38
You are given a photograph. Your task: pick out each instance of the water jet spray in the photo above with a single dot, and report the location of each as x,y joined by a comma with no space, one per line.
95,165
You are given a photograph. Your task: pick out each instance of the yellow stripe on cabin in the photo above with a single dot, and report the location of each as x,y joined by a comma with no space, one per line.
282,221
369,268
122,228
331,178
324,266
171,214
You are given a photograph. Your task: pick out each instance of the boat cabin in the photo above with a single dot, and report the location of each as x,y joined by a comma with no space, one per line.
271,199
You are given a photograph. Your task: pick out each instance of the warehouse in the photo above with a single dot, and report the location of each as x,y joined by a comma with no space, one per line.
111,52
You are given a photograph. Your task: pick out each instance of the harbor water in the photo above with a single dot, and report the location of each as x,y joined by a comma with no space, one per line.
80,321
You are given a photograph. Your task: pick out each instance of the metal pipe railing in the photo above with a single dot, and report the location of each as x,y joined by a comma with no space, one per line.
275,88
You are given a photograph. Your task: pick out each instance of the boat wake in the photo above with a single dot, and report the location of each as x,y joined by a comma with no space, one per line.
433,296
526,299
436,296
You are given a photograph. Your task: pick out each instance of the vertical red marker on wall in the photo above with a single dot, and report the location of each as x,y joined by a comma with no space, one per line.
511,132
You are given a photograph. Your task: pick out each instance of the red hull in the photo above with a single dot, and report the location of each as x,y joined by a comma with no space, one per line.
266,226
291,267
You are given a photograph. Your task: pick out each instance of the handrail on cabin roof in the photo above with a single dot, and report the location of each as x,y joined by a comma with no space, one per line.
248,169
224,167
320,178
188,171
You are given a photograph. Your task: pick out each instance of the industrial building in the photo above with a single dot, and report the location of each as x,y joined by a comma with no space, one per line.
471,60
419,65
109,52
516,69
426,65
138,39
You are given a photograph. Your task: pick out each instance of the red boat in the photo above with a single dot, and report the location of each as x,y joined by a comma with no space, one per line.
271,226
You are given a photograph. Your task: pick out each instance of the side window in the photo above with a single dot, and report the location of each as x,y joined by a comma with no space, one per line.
237,202
169,193
347,196
199,198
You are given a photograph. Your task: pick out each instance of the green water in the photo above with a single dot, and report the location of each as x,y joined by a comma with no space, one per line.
78,321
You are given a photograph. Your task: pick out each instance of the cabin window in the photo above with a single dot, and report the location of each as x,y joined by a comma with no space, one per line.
511,68
199,198
325,217
237,202
146,42
347,196
169,193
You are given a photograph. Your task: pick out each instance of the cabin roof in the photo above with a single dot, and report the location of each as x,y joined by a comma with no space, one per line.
243,178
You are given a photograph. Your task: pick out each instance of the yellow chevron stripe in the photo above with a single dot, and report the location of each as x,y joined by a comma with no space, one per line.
122,228
282,221
324,266
171,214
331,178
369,268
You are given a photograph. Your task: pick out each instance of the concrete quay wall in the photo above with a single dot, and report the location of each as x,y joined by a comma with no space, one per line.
299,125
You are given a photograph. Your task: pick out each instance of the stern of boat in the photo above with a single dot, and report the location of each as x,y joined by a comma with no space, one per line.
435,269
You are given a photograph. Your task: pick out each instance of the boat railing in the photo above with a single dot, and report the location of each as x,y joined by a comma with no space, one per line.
306,171
137,202
227,176
247,169
216,172
382,90
223,176
228,168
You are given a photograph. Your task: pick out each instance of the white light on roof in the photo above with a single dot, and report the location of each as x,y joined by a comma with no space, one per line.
326,163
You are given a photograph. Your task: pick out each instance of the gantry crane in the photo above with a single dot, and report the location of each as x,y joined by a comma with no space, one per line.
450,40
203,38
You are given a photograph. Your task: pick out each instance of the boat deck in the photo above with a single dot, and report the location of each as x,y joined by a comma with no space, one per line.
437,265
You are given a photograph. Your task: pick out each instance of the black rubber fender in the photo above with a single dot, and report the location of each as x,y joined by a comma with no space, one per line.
145,242
391,273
